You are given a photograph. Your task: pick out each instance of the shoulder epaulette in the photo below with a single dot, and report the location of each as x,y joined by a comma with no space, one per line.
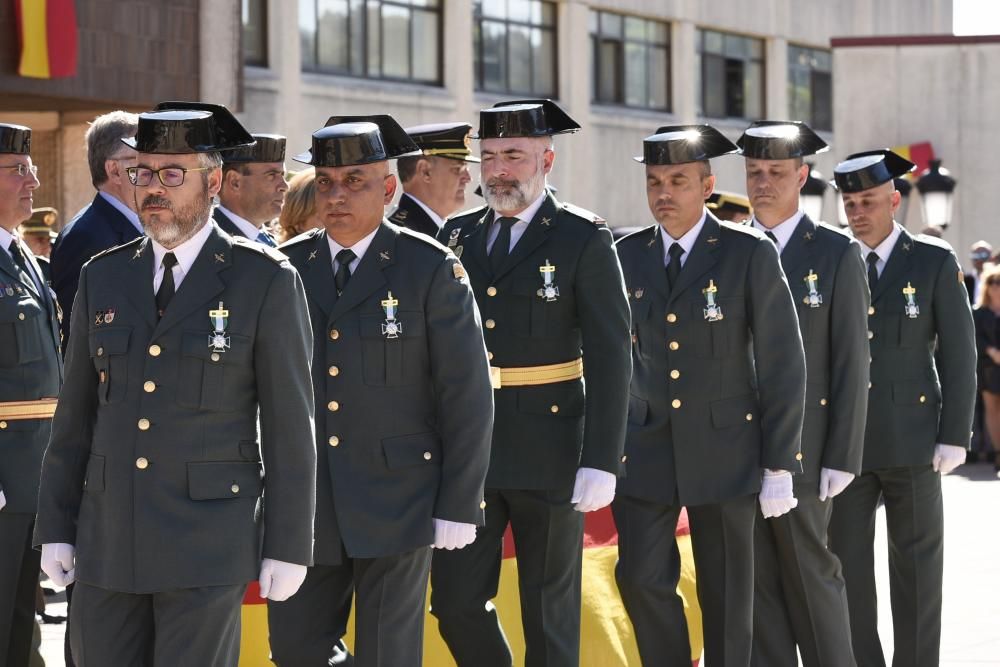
273,254
589,216
476,212
423,238
295,241
114,249
641,235
741,228
933,241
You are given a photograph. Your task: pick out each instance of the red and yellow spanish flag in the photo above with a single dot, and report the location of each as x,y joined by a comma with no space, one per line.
606,635
919,154
47,32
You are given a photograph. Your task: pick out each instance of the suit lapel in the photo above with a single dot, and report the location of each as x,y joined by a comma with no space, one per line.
138,287
703,256
122,226
318,275
227,225
899,260
800,249
368,277
652,266
202,283
534,235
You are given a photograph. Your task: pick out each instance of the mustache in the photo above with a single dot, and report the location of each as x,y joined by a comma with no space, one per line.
153,200
493,183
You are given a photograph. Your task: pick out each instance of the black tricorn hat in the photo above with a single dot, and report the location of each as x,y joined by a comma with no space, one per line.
678,144
269,148
188,127
780,140
230,131
866,170
15,139
348,140
524,118
449,140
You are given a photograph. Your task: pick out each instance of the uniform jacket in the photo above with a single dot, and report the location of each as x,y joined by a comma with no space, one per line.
923,369
411,215
403,423
94,229
30,368
154,470
541,435
834,334
711,402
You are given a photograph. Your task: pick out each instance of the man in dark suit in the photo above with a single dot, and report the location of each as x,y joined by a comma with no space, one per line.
434,182
107,221
548,283
920,406
253,188
152,485
715,406
401,379
30,375
799,594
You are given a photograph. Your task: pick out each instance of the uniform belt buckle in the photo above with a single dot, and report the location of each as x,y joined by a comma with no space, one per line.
495,380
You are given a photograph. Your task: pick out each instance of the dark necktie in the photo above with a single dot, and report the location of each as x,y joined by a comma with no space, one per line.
872,260
167,288
344,259
774,239
501,246
19,261
674,267
265,238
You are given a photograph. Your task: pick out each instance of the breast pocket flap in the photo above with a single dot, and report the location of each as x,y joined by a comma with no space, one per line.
216,480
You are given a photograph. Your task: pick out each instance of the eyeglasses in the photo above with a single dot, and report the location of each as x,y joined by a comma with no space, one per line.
23,169
170,177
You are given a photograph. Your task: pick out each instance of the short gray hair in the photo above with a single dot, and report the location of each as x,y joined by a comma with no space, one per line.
210,160
104,141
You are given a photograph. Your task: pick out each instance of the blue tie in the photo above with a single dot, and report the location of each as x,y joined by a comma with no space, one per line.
265,238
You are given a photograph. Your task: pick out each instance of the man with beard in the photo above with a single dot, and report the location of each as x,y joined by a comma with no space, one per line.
401,379
434,181
715,410
152,484
30,375
920,405
547,280
799,595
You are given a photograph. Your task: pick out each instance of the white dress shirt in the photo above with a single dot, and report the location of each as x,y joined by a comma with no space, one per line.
782,231
185,253
248,229
517,229
884,248
120,206
358,249
686,241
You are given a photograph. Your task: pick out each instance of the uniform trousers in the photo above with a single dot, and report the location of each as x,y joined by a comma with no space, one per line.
390,592
548,545
187,626
648,571
799,594
914,515
18,579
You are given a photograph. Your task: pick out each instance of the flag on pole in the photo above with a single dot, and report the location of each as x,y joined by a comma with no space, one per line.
47,33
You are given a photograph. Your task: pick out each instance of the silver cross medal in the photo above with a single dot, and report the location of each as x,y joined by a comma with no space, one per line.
911,309
218,340
813,298
713,311
549,291
391,328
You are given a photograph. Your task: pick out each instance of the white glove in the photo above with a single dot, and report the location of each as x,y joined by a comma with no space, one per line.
776,497
280,580
947,458
3,500
593,489
832,482
453,535
59,562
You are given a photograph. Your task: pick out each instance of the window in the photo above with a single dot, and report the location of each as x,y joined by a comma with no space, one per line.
631,60
732,75
382,39
255,32
515,46
810,86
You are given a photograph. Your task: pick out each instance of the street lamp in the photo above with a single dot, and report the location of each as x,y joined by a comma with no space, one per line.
937,190
903,187
811,194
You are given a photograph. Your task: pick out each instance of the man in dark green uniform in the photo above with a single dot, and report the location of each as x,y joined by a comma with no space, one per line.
548,283
401,379
715,406
434,182
799,594
920,405
153,483
30,375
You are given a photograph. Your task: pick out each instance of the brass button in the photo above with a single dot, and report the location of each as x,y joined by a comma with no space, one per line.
923,399
870,335
154,350
334,441
798,457
215,356
142,463
624,458
490,324
554,409
100,351
749,416
334,334
3,424
333,406
674,374
671,317
149,386
869,385
482,505
235,488
334,371
871,310
491,291
427,456
20,316
674,345
822,401
489,355
676,403
143,424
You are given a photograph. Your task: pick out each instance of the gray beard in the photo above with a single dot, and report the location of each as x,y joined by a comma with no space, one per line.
520,197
